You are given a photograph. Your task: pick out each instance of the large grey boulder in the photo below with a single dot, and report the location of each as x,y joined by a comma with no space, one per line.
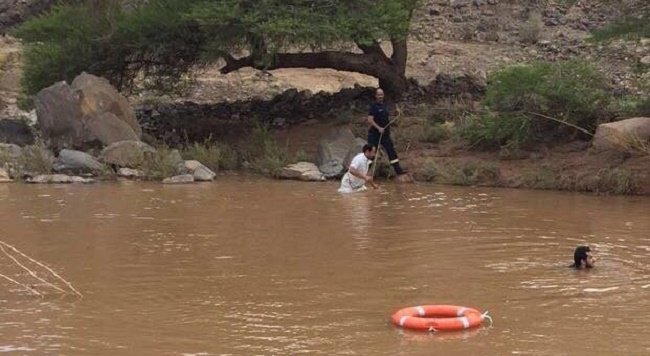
58,179
305,171
129,154
59,115
332,151
98,96
625,135
76,162
355,149
88,112
200,172
108,129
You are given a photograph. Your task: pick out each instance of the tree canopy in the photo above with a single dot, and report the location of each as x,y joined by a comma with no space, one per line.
163,39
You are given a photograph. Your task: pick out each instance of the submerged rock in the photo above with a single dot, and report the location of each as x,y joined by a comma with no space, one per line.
200,172
58,179
129,173
180,179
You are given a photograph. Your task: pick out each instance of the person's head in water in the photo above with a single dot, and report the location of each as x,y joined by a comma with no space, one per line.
369,151
583,258
379,96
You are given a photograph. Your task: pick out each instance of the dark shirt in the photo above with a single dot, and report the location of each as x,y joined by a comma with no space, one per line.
379,112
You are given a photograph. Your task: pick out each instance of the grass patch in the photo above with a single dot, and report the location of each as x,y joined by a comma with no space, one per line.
543,178
627,28
606,181
435,133
161,164
530,30
216,156
35,160
264,154
466,173
491,131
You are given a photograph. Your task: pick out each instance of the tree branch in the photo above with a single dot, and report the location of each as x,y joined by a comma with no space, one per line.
373,49
345,61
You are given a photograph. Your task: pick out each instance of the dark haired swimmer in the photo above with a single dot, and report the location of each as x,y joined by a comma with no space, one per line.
583,258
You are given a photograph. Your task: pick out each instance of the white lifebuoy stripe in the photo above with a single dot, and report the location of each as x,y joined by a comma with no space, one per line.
402,320
421,311
465,322
461,311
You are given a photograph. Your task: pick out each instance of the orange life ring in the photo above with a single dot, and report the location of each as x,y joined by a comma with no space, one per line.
438,317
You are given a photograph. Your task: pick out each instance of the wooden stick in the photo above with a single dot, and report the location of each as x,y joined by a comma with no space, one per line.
32,273
562,122
22,285
44,266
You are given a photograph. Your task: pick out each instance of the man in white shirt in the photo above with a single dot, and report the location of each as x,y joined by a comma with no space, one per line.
357,176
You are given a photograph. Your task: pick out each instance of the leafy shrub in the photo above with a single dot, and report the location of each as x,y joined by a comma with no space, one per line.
529,31
161,164
570,91
263,152
213,155
492,131
629,27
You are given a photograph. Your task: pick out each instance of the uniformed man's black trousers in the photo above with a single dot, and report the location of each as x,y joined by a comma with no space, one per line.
387,144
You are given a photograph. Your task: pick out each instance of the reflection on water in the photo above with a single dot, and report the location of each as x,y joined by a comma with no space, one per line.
262,267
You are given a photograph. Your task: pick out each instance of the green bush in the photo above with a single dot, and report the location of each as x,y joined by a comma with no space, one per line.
630,28
435,133
161,164
492,131
213,155
264,154
631,106
572,91
35,159
61,45
104,39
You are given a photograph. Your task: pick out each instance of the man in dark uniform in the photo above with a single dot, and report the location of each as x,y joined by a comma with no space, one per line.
378,122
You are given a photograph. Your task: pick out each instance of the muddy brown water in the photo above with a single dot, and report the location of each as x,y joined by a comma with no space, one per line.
258,267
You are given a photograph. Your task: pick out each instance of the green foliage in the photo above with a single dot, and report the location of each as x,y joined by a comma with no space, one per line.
435,133
264,154
35,159
631,106
161,164
571,91
539,100
530,30
628,28
461,173
301,156
492,131
163,39
216,156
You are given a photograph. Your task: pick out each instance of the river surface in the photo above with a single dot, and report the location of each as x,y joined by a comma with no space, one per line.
259,267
